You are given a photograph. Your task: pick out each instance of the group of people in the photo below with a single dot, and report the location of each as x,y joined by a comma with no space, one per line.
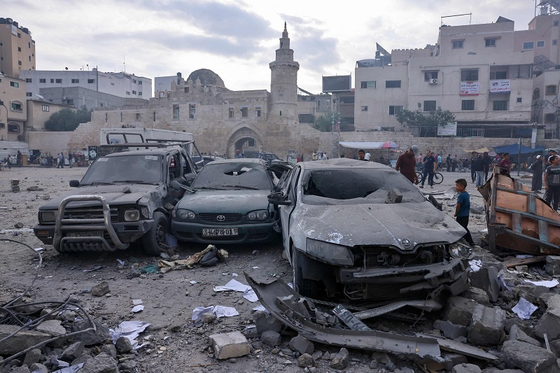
320,155
551,165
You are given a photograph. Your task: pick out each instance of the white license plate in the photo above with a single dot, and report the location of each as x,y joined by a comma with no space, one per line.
215,232
84,234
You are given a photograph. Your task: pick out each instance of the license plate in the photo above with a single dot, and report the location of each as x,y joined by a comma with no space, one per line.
215,232
349,319
84,234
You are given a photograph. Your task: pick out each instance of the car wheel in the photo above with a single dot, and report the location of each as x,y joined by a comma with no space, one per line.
305,287
153,240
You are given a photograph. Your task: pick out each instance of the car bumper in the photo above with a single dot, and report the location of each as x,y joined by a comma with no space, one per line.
127,232
247,233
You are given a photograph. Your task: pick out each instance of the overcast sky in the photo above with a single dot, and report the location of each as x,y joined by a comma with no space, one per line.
237,39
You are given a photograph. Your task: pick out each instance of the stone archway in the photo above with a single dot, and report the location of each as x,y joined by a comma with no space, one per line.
244,139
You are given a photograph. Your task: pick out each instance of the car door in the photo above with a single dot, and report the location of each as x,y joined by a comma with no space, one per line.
290,191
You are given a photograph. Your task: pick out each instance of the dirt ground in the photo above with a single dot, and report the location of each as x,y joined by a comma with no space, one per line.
174,343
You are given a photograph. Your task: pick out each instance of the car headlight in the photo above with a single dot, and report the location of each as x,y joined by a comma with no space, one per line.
132,215
258,215
47,216
330,253
183,214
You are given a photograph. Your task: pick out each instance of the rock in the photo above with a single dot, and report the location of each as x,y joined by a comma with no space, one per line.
20,341
271,338
340,360
109,349
552,266
305,360
476,294
102,363
32,357
549,323
208,317
302,345
227,345
517,334
466,368
486,279
18,225
487,325
91,338
73,351
459,310
265,321
451,330
38,368
100,290
528,357
52,327
123,345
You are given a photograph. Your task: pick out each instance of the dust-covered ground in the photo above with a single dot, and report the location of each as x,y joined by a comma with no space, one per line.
174,343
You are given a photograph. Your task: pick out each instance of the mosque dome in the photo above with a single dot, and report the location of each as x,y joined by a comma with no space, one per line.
207,77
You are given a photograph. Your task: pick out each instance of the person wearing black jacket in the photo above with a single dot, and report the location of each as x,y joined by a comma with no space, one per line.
487,164
537,167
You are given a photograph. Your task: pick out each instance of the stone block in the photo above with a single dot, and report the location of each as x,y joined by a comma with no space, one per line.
531,292
486,279
265,321
32,357
20,341
52,327
302,345
100,289
271,338
549,323
73,351
305,360
451,330
102,363
38,368
517,334
459,310
466,368
341,360
529,358
552,266
476,294
226,345
487,325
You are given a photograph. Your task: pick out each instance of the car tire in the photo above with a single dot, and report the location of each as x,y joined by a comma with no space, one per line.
153,240
307,288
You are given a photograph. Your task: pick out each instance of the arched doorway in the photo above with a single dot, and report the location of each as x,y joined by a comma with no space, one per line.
246,140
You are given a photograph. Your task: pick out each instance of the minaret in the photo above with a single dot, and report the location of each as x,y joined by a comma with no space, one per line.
283,82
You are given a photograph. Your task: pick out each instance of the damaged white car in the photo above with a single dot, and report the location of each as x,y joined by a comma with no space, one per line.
360,233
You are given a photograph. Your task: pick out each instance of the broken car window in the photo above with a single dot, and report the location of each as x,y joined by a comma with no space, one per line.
348,184
241,175
144,168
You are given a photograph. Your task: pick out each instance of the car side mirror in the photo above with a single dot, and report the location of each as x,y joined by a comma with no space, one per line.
74,183
277,198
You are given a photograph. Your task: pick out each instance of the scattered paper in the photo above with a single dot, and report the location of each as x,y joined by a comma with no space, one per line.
475,265
234,285
138,308
130,330
549,284
137,302
219,311
524,309
260,307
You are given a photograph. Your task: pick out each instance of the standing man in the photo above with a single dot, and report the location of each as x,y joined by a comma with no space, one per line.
486,163
406,164
536,182
552,181
429,169
474,155
478,167
361,155
448,161
455,162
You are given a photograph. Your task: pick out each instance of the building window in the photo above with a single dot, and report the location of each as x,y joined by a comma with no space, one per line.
29,94
46,108
59,81
469,75
42,80
138,116
52,80
364,108
244,112
429,106
75,81
70,101
536,94
134,81
555,42
186,90
139,93
467,105
550,118
498,75
499,105
550,90
192,111
19,63
368,84
258,111
230,112
139,82
528,45
540,43
133,92
175,112
395,109
392,84
429,76
555,23
14,84
91,81
491,42
457,44
519,99
128,93
17,106
28,80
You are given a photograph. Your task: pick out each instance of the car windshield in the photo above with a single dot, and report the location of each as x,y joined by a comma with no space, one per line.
238,175
356,186
145,169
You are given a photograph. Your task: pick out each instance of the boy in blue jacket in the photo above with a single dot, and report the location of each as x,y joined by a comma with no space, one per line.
463,208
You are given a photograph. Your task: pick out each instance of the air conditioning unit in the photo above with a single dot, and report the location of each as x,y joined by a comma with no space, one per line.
433,81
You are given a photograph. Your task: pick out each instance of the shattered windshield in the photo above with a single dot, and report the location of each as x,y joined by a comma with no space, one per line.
356,186
239,175
144,169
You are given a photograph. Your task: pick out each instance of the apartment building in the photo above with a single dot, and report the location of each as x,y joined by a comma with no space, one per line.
485,74
13,109
17,48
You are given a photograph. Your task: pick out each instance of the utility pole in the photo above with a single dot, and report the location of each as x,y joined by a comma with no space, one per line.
335,129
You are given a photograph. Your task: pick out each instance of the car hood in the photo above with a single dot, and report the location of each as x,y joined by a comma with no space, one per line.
118,194
223,201
376,224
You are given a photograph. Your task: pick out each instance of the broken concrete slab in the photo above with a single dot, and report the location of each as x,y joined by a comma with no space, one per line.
302,345
528,357
100,289
22,340
552,266
549,323
486,279
450,330
459,310
271,338
487,326
73,351
102,363
52,327
517,334
265,321
466,368
227,345
477,294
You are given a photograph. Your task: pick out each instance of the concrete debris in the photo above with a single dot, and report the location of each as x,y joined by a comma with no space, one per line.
487,326
528,357
100,289
271,338
228,345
